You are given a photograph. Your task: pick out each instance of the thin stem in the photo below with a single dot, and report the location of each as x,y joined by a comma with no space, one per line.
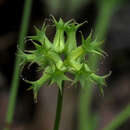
119,120
15,78
59,108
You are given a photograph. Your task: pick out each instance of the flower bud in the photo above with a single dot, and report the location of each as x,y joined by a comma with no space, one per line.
58,41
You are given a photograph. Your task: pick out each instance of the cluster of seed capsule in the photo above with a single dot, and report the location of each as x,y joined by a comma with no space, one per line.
49,56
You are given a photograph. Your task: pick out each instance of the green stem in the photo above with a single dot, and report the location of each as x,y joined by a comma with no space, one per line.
15,78
119,120
59,108
106,10
84,108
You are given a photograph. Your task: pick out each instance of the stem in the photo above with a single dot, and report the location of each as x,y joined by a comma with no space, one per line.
106,10
84,108
15,77
59,108
119,120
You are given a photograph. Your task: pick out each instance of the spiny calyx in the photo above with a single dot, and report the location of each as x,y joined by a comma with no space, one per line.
49,56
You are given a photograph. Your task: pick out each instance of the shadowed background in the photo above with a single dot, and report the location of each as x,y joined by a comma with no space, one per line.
40,116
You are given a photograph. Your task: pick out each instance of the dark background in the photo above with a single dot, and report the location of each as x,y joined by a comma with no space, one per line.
40,116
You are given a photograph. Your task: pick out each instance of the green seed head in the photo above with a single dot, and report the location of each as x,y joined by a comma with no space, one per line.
58,58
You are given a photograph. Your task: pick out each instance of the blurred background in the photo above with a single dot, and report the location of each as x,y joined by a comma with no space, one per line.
40,116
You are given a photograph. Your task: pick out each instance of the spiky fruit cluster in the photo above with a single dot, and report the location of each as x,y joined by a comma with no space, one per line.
49,56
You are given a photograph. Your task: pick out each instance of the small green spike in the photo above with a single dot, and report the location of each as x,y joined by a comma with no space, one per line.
78,25
36,45
37,30
53,19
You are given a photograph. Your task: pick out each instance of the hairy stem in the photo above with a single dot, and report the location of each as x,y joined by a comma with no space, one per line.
59,108
15,77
